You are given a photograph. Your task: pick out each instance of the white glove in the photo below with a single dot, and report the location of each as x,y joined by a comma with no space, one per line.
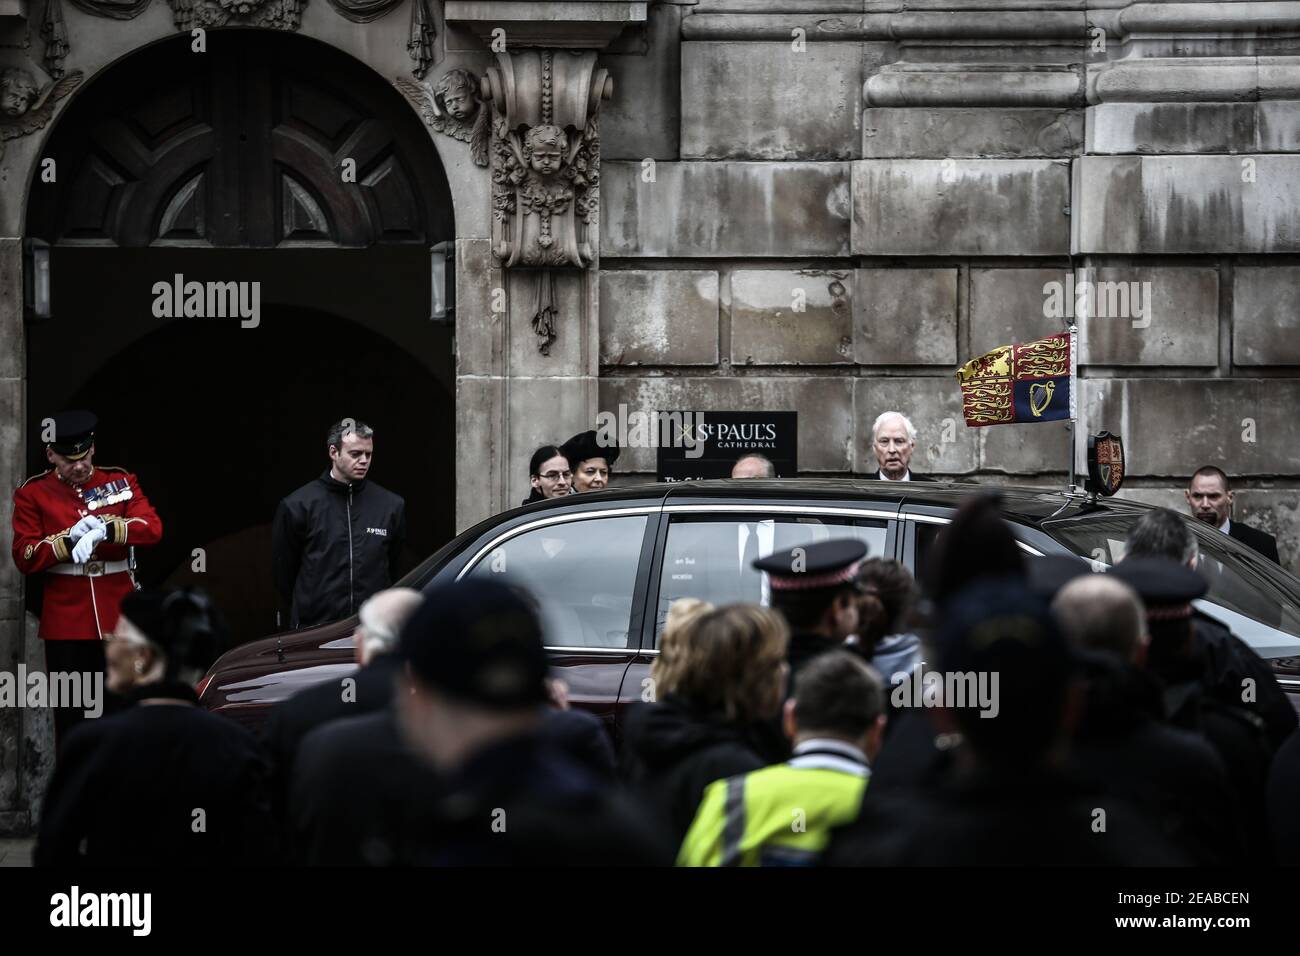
86,546
85,524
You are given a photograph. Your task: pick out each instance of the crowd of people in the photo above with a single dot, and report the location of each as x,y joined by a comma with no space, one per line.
1060,715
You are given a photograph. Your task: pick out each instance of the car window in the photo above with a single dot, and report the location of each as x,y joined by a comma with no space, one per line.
710,559
1246,585
582,574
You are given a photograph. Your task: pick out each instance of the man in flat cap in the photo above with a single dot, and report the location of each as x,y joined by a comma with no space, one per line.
815,586
79,523
591,461
472,703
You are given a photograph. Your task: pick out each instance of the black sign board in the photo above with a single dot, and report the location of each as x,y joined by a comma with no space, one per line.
721,438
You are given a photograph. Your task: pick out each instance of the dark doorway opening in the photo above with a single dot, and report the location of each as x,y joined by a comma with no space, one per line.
219,421
231,169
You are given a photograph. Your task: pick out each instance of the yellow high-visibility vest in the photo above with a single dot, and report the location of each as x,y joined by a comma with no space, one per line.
778,816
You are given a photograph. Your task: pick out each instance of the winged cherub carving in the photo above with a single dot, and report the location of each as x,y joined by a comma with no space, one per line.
453,107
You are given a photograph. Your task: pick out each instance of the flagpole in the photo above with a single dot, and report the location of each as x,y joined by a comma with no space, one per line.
1074,395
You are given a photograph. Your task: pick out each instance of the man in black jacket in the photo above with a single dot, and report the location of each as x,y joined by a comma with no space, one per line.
1210,500
336,540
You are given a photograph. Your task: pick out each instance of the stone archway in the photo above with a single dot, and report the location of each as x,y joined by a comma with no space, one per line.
232,165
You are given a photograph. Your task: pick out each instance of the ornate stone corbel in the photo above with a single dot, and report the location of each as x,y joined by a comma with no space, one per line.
545,153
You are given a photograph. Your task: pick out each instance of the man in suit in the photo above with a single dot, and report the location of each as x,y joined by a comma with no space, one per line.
893,439
1210,500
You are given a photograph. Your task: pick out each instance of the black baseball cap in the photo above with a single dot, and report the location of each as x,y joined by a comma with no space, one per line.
480,641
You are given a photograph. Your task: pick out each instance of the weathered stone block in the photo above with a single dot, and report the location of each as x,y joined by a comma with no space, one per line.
569,352
725,209
480,342
1171,128
644,117
659,317
769,101
991,132
1266,315
1024,449
791,318
13,363
825,407
1173,426
1187,204
1011,305
1152,315
1278,126
906,316
944,445
960,207
1278,513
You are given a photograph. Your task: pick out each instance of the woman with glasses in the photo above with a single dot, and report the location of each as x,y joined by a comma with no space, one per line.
549,474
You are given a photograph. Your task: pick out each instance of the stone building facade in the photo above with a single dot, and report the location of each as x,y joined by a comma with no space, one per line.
813,205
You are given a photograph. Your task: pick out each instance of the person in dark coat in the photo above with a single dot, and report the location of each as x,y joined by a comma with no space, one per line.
1124,742
337,540
472,705
1283,798
370,688
1209,496
163,783
1011,799
1230,671
728,686
1177,657
549,475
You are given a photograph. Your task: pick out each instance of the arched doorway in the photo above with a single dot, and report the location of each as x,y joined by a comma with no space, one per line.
231,167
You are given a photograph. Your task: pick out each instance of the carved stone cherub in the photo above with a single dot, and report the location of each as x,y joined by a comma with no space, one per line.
18,91
24,106
453,108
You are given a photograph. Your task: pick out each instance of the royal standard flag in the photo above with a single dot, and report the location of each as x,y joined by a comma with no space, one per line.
1031,382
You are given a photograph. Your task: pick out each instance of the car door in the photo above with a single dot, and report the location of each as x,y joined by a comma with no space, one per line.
587,573
703,551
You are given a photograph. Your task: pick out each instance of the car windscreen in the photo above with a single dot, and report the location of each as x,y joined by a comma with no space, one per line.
1254,597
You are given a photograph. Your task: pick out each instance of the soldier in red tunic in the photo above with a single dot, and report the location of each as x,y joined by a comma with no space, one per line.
79,524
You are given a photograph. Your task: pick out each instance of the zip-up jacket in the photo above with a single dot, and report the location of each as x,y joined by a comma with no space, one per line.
334,545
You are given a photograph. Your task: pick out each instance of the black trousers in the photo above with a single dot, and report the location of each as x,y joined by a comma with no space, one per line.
72,656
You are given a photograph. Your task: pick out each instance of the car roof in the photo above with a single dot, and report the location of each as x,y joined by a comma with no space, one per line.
1027,503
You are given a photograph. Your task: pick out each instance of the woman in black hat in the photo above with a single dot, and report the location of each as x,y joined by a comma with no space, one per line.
164,782
549,474
592,462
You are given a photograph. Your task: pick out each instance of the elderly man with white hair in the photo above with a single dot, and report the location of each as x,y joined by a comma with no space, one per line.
893,439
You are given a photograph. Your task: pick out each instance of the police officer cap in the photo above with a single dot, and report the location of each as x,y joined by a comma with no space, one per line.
1166,587
585,445
480,641
74,433
823,564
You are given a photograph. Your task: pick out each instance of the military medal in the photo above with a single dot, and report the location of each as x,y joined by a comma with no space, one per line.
107,494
